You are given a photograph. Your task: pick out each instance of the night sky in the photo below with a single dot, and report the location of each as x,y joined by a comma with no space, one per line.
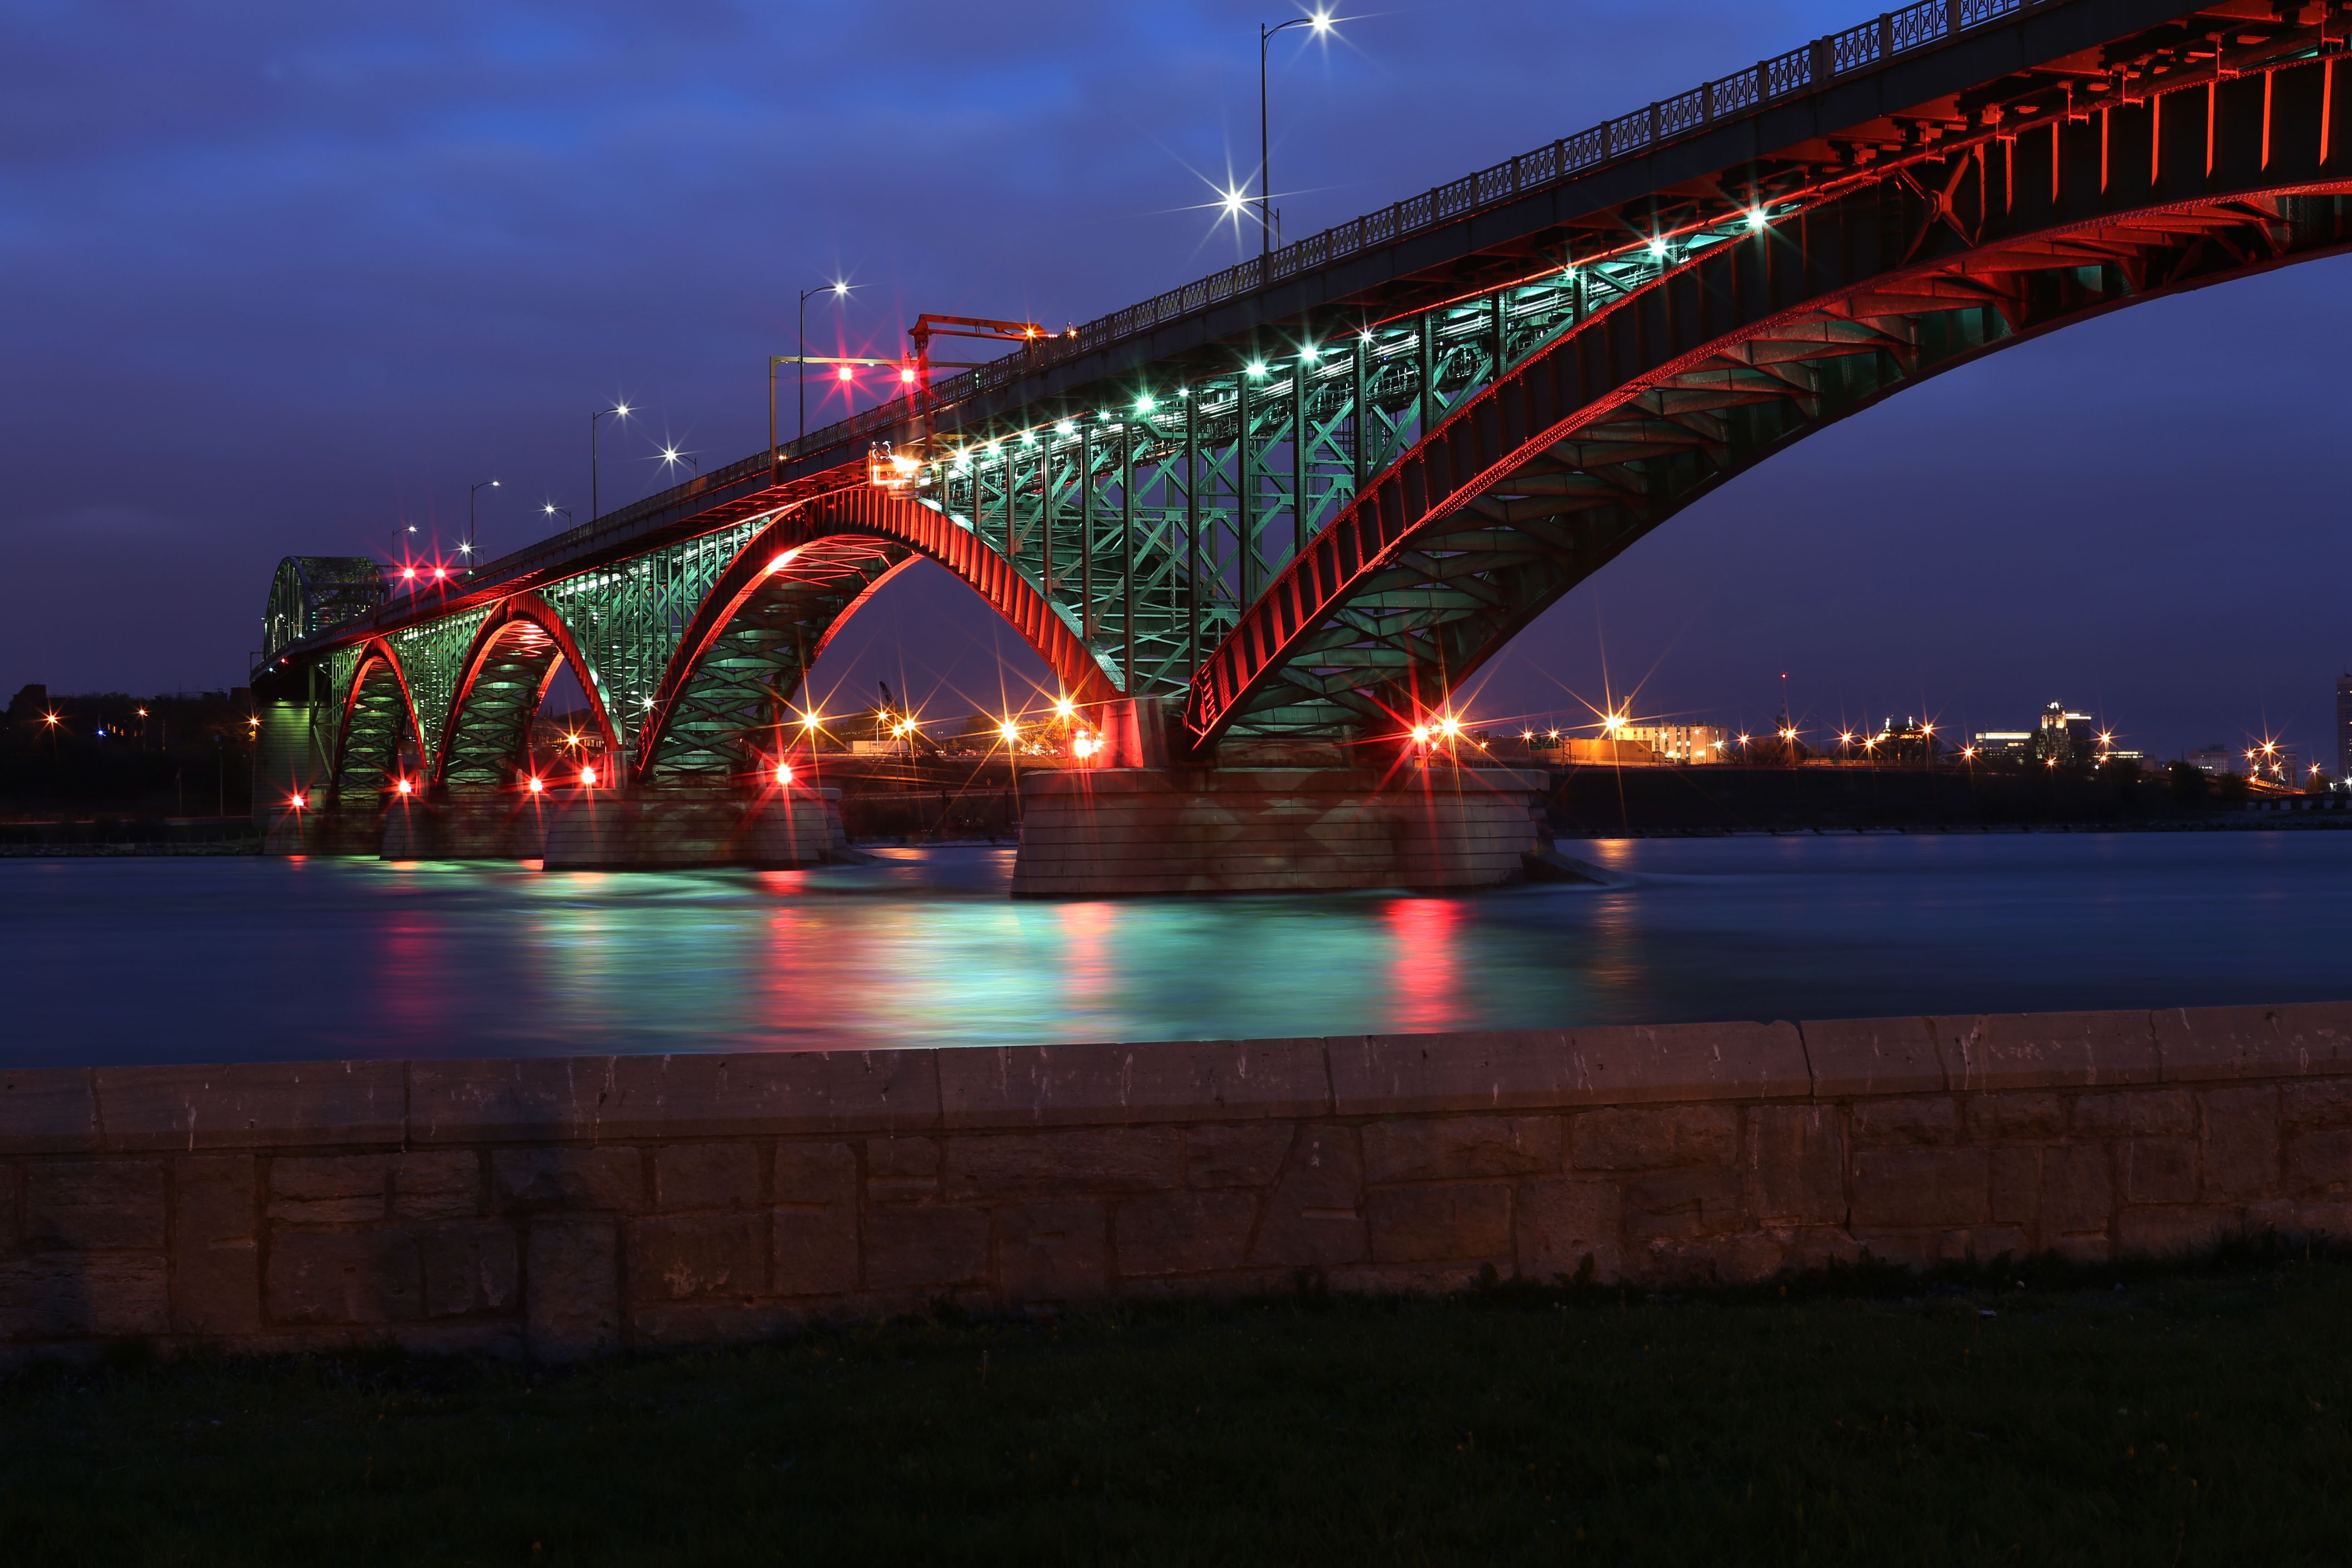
282,278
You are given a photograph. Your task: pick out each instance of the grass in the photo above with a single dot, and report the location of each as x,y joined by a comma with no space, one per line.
2015,1413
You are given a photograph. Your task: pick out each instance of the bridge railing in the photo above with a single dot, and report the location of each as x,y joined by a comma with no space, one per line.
1800,71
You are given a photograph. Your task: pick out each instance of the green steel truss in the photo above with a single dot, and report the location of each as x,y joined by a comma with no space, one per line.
1150,515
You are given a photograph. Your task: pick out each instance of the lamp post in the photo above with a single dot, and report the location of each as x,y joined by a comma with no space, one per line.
466,549
840,292
671,458
552,509
1321,23
620,409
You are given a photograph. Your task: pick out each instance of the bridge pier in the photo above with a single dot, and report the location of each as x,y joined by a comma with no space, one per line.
506,826
1106,831
610,830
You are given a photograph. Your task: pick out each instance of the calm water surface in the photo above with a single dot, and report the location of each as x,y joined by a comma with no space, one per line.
213,959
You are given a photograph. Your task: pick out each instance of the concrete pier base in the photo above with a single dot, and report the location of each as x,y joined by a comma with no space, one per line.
491,828
591,830
324,833
1265,830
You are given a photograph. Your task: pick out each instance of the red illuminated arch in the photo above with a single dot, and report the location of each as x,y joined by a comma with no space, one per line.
524,613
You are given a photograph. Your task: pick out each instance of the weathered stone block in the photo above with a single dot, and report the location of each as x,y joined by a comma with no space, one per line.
1852,1058
707,1175
362,1278
330,1189
252,1105
1315,1216
2140,1114
1918,1187
95,1202
2237,1143
2325,1103
572,1288
1434,1149
558,1180
813,1250
2078,1193
2319,1162
1929,1120
1423,1224
1101,1159
816,1173
1386,1075
1054,1251
1561,1220
2017,1115
470,1269
1682,1205
774,1093
2047,1050
1644,1138
924,1245
2157,1169
215,1259
64,1295
1651,1063
902,1159
1794,1164
1246,1156
437,1184
2016,1186
1173,1081
1183,1233
47,1111
676,1257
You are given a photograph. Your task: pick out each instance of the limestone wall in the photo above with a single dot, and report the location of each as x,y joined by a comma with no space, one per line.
556,1206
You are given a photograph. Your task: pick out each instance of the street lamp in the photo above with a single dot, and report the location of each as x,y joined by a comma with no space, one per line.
552,509
466,549
671,458
840,293
622,409
1321,22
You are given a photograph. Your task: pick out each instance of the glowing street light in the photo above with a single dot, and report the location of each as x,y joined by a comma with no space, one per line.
839,289
620,411
465,546
1321,22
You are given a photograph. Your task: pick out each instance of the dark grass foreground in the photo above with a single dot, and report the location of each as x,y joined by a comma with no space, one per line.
2011,1413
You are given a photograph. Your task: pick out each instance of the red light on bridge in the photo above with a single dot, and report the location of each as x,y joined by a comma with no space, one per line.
847,373
537,783
405,788
784,773
297,802
407,572
588,776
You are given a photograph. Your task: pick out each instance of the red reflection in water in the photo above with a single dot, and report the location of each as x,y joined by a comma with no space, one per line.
1085,961
1427,933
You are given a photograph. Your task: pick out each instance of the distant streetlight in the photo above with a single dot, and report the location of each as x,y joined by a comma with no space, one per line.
1321,22
671,458
619,409
466,549
553,510
840,293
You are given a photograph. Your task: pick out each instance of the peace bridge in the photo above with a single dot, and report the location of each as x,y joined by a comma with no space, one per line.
1262,526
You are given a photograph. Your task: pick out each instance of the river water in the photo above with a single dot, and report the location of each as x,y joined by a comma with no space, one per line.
166,960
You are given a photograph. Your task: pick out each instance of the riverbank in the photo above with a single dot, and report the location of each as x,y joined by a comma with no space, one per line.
2028,1411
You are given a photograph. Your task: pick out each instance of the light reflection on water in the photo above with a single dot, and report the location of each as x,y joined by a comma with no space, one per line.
204,960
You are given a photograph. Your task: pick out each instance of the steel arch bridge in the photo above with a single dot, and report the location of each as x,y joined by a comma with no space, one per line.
1302,499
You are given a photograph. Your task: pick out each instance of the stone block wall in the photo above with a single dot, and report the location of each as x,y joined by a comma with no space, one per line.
556,1208
1091,832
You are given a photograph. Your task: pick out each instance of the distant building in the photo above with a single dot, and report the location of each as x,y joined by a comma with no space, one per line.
2343,726
2066,738
2214,760
1680,743
1993,743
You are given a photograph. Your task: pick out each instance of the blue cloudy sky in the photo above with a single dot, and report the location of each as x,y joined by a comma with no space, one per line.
280,278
